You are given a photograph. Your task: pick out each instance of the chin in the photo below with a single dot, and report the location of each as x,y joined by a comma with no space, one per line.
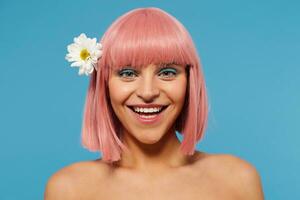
149,140
149,137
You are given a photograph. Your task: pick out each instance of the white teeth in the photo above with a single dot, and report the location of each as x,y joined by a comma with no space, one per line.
147,110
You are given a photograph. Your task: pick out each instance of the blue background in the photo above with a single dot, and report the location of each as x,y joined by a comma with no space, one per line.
250,56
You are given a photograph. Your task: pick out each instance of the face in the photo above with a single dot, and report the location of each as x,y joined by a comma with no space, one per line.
148,101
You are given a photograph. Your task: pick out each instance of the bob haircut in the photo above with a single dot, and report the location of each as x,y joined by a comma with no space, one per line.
138,38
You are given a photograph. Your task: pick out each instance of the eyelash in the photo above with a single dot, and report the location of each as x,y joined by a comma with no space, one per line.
163,70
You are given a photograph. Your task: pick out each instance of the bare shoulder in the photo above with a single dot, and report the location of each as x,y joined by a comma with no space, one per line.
70,181
239,174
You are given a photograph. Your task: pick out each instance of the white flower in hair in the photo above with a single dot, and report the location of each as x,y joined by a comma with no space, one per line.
84,53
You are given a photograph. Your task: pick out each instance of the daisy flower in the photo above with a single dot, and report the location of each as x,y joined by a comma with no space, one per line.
84,53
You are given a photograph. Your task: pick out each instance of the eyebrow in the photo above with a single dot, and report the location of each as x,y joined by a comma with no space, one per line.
158,66
171,63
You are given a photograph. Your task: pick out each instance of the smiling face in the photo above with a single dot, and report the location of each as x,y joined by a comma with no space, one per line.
161,88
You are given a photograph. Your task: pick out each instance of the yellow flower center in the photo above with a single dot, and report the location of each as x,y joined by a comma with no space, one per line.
84,54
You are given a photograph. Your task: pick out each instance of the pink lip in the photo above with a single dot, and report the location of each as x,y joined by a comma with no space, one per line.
156,118
147,105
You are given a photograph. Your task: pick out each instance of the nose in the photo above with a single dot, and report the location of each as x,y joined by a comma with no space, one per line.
147,89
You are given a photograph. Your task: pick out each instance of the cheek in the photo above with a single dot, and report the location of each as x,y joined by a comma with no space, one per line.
118,93
177,91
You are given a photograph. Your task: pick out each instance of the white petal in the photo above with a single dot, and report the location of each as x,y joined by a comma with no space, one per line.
91,45
78,40
77,64
72,47
98,53
73,59
89,67
94,60
91,70
99,46
82,36
81,71
93,42
68,57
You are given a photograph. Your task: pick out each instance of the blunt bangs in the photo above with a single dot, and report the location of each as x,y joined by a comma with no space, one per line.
148,37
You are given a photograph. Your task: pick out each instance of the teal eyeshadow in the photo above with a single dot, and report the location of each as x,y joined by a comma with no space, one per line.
125,70
163,70
169,69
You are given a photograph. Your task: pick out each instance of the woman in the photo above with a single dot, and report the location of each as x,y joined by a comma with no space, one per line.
148,84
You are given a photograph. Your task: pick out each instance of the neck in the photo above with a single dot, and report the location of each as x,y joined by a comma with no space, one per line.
162,155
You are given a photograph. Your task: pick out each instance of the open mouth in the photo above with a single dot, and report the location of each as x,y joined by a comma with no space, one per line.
148,113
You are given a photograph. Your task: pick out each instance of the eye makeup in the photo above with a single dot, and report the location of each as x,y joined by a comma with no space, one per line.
164,70
125,71
167,71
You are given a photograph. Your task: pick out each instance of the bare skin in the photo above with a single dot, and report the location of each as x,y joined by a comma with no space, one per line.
201,176
207,176
155,168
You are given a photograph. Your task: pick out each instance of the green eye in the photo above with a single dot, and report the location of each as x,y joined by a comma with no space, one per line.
165,72
168,72
126,73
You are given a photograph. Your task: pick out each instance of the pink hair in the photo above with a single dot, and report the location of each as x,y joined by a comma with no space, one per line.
138,38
